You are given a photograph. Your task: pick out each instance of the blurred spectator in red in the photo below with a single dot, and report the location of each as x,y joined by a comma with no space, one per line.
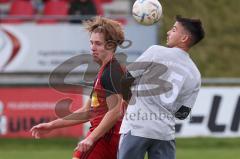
81,8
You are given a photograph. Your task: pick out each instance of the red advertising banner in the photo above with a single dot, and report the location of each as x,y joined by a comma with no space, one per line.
23,107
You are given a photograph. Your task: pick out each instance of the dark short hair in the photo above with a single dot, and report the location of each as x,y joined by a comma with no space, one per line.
194,27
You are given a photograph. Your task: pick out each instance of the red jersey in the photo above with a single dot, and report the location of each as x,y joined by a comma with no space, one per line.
106,83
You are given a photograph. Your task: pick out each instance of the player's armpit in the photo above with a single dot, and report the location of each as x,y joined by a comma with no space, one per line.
182,112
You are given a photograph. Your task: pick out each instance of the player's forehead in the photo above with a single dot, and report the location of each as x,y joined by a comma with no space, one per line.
178,26
96,36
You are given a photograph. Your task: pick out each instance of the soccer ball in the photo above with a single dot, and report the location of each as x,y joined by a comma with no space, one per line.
147,12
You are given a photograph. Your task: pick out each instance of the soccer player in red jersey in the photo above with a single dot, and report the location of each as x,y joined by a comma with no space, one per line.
105,100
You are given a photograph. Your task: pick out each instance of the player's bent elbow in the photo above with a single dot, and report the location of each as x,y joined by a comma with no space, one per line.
182,112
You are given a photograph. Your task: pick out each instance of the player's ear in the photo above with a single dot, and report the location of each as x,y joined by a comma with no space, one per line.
186,39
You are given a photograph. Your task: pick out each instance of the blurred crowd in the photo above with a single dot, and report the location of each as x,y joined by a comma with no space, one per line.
73,9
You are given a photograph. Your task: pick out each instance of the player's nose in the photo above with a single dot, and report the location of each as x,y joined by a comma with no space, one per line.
93,47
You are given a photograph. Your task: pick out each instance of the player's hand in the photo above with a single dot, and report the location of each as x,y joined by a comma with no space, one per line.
123,107
84,145
40,130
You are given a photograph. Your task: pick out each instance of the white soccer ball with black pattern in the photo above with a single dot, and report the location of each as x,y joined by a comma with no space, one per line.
147,12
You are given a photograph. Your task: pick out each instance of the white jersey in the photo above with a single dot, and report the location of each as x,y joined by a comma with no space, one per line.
167,78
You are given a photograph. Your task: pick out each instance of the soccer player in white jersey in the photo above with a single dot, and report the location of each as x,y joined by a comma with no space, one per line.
165,83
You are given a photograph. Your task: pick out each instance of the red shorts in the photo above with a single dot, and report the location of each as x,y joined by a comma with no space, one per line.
105,148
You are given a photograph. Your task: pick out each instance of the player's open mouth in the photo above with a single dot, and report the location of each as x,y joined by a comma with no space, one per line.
94,54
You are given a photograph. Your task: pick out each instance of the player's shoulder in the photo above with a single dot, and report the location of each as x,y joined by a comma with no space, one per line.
113,63
113,67
158,47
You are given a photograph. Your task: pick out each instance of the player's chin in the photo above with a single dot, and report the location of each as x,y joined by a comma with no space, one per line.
168,44
96,59
94,56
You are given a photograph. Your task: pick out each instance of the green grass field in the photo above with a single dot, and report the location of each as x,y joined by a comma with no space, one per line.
192,148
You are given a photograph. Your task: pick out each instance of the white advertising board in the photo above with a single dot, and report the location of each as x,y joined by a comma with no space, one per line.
216,113
41,48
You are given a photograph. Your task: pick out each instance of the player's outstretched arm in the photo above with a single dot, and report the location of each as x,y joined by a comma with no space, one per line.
111,117
42,129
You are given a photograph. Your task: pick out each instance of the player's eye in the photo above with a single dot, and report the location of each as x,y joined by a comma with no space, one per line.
98,43
173,29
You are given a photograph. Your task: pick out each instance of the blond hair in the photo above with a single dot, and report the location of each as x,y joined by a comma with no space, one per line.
111,29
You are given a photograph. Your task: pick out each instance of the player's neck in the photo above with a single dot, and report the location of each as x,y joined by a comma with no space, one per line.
106,60
184,48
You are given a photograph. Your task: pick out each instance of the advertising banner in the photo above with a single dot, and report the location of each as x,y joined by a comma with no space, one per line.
23,107
41,48
216,114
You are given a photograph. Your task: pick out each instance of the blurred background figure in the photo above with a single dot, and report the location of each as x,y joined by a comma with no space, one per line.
38,5
81,8
4,6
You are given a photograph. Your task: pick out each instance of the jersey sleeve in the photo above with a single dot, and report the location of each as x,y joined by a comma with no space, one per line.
189,99
111,79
